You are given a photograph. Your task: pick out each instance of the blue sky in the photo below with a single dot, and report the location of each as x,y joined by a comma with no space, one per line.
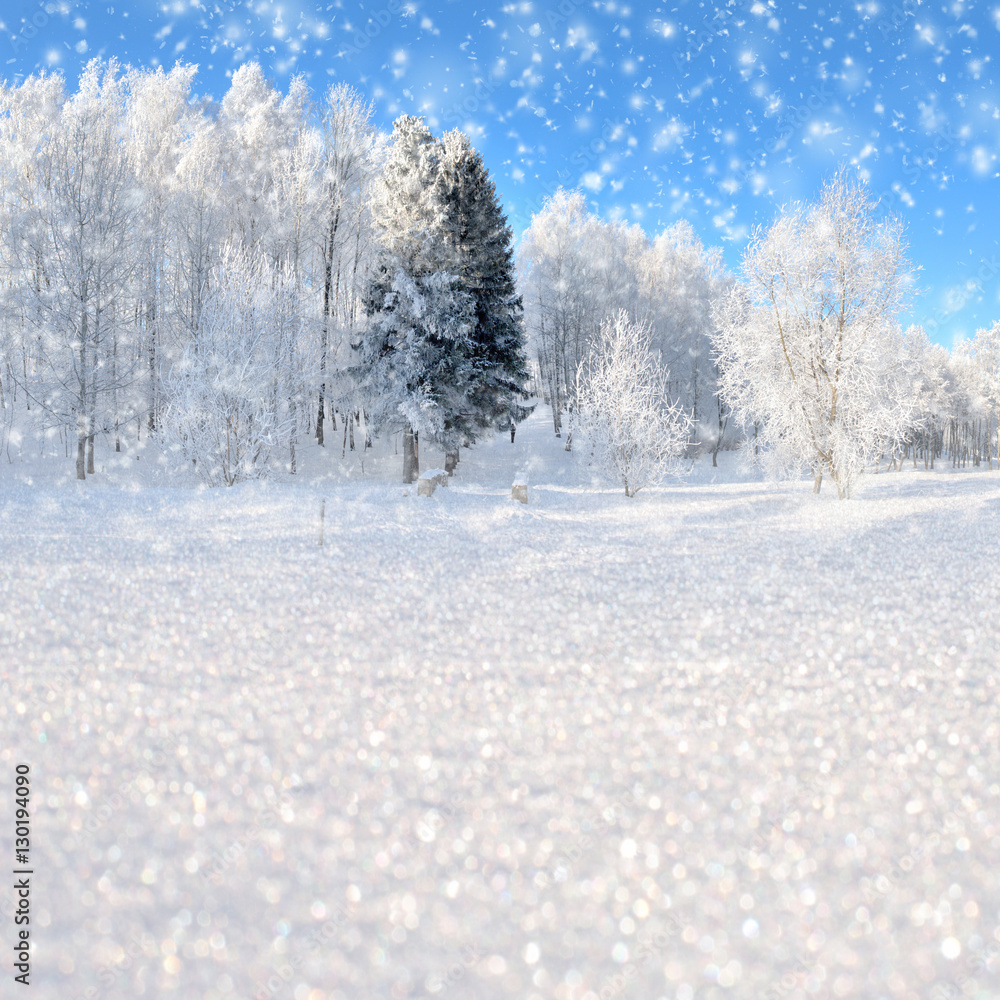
714,113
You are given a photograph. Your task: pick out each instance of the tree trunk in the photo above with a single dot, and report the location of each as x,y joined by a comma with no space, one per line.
151,361
81,446
114,376
82,426
451,461
411,455
817,482
325,342
322,402
722,425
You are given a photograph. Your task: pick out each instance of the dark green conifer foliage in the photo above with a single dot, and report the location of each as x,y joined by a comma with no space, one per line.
443,355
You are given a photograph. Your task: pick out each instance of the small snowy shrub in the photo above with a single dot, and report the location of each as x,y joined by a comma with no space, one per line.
633,433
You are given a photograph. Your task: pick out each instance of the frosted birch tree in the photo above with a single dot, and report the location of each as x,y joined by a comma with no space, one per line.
229,393
196,223
633,432
349,155
931,395
155,122
561,318
681,281
80,240
575,268
27,114
981,359
808,344
252,120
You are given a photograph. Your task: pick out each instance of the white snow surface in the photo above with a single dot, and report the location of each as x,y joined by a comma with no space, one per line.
721,739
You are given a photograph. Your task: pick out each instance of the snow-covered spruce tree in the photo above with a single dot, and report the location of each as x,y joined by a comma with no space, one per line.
808,346
228,396
442,353
411,358
495,368
633,432
405,358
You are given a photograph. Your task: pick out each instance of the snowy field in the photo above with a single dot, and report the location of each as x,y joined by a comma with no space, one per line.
726,739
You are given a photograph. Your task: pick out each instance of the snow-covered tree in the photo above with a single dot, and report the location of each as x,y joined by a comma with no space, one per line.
411,358
575,268
981,359
75,252
228,396
808,345
196,222
633,433
494,365
560,315
680,282
295,196
255,132
442,354
155,121
350,154
27,113
405,354
930,396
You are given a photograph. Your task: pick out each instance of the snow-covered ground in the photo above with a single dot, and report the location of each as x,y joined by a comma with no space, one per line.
726,739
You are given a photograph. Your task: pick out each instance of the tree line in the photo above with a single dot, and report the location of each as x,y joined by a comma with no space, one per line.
233,276
237,276
800,356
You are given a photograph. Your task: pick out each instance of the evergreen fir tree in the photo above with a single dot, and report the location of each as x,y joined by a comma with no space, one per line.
443,353
477,229
407,352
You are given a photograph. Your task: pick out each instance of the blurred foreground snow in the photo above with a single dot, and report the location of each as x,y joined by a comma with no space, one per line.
726,739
